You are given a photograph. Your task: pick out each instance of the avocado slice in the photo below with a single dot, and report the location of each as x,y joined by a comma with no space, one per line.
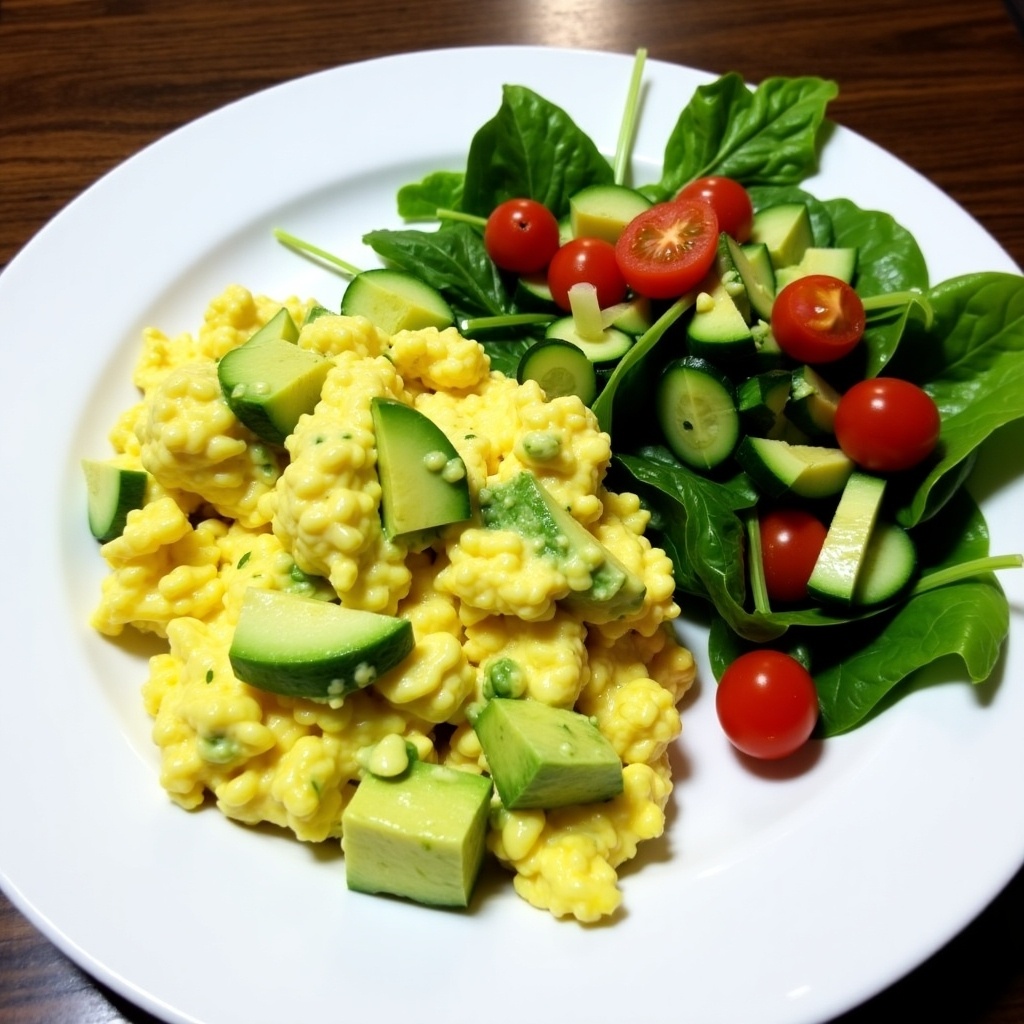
524,505
422,478
304,647
419,835
543,756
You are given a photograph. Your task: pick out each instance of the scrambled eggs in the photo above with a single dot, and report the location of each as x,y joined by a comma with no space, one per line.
225,511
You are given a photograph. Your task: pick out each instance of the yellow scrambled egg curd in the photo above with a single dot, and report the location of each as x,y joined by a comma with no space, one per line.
225,512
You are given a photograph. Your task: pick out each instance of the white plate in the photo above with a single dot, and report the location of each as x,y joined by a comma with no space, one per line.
776,897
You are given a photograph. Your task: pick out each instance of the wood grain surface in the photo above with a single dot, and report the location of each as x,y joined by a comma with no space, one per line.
84,84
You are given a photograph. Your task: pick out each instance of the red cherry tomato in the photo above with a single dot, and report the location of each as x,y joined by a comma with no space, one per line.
767,704
729,200
521,235
590,260
666,250
886,424
817,319
791,540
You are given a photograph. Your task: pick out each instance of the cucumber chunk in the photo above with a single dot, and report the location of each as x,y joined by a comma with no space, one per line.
560,368
395,301
302,647
269,383
422,478
718,329
761,400
610,346
835,262
778,467
111,493
812,403
835,574
697,413
541,756
602,211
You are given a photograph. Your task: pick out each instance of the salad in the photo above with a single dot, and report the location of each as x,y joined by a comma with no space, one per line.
794,478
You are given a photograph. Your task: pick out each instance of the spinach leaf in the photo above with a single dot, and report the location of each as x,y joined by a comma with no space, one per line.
422,199
453,260
506,353
765,137
971,361
888,257
698,519
533,149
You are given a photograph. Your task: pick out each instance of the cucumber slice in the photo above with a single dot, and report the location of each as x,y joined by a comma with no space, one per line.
761,262
422,478
611,346
533,293
696,409
634,317
302,647
835,574
560,368
395,301
602,211
888,568
269,383
778,467
812,403
786,230
112,492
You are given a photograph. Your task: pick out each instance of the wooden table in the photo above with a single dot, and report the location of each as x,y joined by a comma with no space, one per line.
84,84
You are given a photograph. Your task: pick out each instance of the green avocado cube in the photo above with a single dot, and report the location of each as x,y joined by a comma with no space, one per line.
419,835
543,756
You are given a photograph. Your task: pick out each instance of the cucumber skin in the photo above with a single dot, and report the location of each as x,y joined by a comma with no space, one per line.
107,518
317,674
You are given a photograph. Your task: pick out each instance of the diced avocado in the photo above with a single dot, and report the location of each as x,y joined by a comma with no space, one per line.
302,647
422,477
718,329
419,835
779,468
111,493
524,505
812,402
395,301
543,756
786,230
269,383
835,573
602,211
835,262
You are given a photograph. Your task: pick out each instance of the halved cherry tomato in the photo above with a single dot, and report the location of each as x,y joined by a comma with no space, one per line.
817,319
730,201
521,235
791,540
886,424
666,250
767,704
590,260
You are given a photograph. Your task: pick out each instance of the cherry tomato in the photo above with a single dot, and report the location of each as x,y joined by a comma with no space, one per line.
590,260
767,704
791,539
729,200
817,319
666,250
886,424
521,235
